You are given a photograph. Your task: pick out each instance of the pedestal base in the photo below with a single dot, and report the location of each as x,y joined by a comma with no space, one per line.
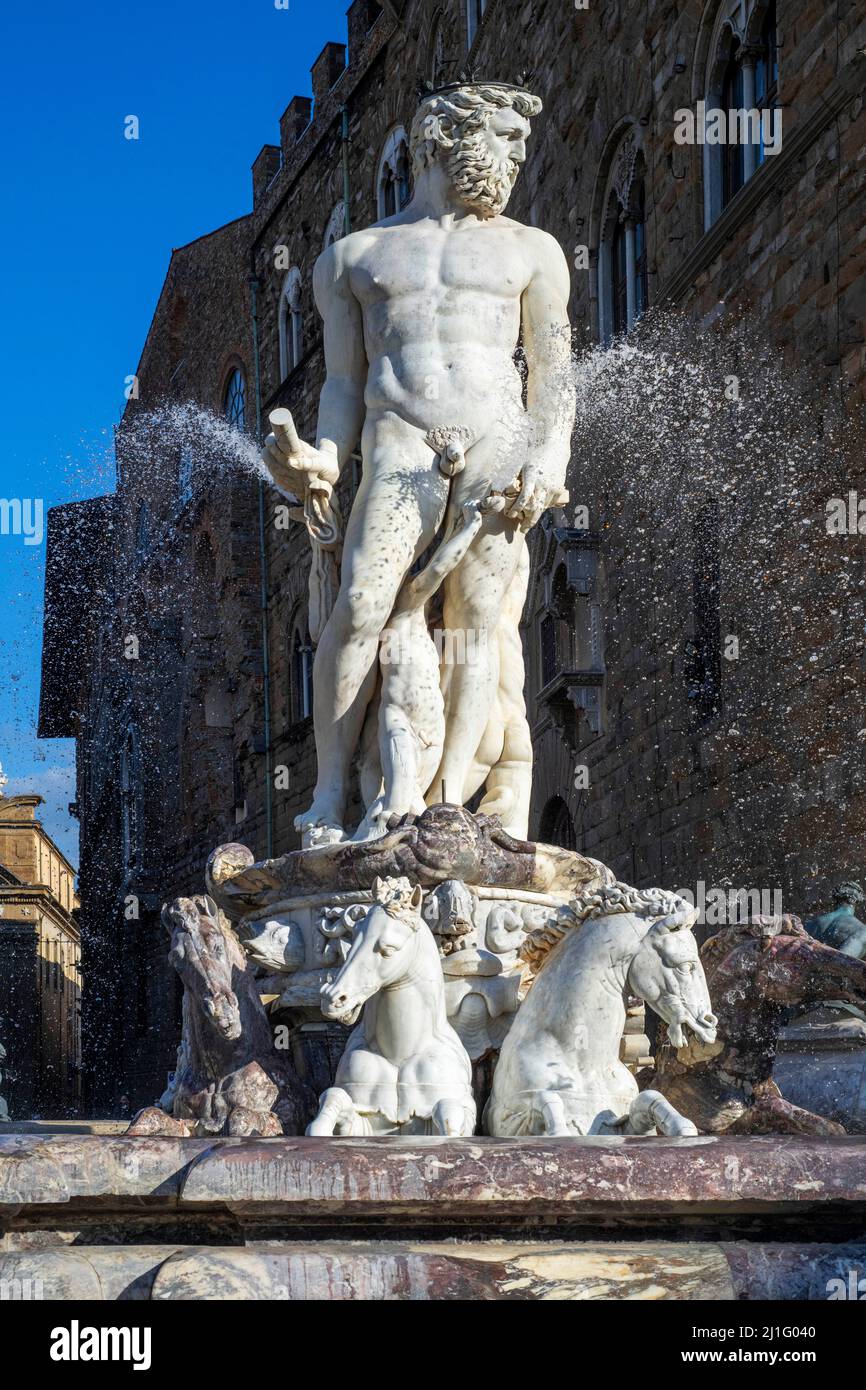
294,1219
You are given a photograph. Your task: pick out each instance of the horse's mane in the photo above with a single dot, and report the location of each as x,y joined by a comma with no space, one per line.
180,914
396,896
606,901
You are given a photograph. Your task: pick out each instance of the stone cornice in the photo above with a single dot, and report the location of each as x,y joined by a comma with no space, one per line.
40,897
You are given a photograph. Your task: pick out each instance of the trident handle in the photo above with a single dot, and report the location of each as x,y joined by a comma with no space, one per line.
283,426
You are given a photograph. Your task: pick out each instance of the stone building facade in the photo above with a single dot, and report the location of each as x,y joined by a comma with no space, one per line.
40,967
656,750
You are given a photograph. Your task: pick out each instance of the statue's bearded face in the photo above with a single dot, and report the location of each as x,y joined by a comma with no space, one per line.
484,164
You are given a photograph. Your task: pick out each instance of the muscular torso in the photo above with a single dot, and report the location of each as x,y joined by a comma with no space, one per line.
441,313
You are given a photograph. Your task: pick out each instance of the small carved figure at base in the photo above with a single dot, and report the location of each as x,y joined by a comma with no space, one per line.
231,1081
405,1070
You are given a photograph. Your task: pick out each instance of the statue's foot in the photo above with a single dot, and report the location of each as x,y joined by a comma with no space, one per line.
320,825
372,827
500,802
381,820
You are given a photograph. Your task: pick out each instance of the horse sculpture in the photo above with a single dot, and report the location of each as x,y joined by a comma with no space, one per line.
230,1080
559,1071
404,1070
757,971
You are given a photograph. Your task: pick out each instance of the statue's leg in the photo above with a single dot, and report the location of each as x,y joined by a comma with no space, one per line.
509,782
651,1111
399,752
395,515
474,596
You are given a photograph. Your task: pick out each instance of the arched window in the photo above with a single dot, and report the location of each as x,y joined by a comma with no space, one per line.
393,183
302,673
557,825
767,70
623,287
474,15
234,400
733,153
336,227
742,77
291,323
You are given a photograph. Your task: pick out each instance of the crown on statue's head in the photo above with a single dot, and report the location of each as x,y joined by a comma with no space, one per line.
471,79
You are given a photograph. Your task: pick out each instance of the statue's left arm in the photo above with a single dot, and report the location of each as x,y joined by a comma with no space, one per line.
550,386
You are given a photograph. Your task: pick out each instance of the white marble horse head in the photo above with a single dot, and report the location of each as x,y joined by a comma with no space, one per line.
666,972
383,946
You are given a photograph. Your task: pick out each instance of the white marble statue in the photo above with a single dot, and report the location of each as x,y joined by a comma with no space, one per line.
422,316
404,1070
559,1071
503,759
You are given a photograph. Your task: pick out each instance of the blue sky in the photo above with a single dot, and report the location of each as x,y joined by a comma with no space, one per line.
90,220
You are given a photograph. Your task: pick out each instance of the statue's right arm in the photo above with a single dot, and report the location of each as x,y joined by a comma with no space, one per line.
341,403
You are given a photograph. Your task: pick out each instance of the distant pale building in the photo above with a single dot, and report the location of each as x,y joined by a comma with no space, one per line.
40,967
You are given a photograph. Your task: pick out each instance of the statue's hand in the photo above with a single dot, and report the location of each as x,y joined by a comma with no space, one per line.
540,488
473,513
294,465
